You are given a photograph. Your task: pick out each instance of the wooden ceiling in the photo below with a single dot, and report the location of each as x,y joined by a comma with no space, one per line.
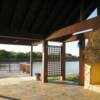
38,19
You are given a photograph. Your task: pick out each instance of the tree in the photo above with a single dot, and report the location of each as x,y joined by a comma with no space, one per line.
20,55
4,54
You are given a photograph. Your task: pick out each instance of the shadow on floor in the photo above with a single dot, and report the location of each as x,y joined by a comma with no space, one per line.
8,98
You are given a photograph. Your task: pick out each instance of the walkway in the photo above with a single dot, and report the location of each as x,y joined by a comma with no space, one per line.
25,88
6,74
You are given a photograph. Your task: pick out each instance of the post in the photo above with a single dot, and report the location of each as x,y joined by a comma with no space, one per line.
9,67
63,61
45,62
82,62
31,61
81,47
82,9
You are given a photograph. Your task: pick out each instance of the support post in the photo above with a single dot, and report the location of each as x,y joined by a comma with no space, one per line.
82,9
45,62
82,62
63,61
9,67
81,47
31,61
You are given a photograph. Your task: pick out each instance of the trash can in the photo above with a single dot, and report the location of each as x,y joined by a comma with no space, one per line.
38,76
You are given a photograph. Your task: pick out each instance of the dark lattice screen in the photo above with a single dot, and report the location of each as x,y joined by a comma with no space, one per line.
54,60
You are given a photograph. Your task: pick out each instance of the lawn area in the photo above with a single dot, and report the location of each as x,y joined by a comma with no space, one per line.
70,77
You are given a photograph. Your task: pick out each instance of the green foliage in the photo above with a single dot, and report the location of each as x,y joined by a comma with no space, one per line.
54,78
4,54
39,54
70,77
73,79
19,55
35,55
12,54
70,57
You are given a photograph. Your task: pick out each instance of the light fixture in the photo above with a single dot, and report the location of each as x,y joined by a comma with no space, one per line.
80,32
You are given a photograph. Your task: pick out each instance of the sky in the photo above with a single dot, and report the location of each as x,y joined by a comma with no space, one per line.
71,47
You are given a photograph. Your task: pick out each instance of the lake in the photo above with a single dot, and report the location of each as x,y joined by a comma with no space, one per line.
71,67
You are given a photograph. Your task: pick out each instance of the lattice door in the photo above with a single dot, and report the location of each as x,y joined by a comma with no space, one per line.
54,60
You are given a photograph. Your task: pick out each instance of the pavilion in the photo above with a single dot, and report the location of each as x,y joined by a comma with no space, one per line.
30,22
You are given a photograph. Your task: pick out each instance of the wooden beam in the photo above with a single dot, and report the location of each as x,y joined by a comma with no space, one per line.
82,61
98,8
34,43
21,9
53,16
63,62
23,36
31,61
82,7
84,25
38,22
31,15
15,37
45,62
72,38
83,15
70,18
14,42
61,18
45,12
86,12
12,15
18,40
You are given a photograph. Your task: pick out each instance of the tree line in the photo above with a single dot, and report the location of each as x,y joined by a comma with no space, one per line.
19,55
6,55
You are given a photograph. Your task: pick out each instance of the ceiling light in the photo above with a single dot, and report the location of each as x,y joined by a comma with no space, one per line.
84,31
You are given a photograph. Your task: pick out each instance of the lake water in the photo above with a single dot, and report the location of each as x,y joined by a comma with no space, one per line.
71,67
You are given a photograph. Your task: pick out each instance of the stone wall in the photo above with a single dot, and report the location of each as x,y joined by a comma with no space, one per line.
92,50
92,60
92,77
87,76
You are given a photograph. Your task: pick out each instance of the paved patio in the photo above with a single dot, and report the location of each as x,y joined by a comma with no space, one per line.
25,88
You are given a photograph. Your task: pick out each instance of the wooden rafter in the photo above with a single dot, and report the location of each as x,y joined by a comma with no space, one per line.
18,40
84,25
23,35
89,10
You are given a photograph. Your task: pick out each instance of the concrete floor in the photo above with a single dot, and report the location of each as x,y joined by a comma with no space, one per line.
6,74
25,88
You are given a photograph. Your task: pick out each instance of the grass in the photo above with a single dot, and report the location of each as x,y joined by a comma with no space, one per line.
73,79
70,77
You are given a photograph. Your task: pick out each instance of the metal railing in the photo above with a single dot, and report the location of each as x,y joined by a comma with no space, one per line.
10,67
